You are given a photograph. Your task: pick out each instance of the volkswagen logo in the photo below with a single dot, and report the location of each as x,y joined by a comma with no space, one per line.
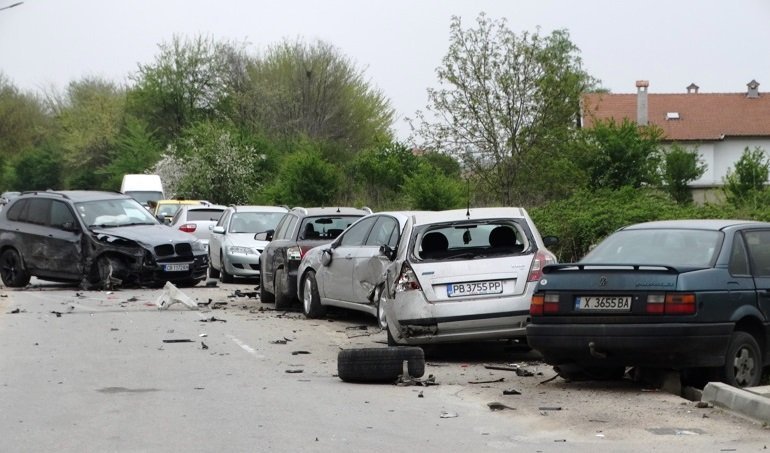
602,281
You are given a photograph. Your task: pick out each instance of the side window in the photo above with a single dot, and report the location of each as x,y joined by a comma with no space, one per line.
17,211
739,261
223,220
356,234
61,215
288,233
382,231
758,244
38,211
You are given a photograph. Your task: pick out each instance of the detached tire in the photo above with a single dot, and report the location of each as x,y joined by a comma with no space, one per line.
379,364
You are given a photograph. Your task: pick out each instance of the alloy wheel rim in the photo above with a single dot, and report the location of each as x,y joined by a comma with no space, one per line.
743,366
306,295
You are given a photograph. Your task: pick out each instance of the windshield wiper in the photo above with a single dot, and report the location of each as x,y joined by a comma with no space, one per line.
102,225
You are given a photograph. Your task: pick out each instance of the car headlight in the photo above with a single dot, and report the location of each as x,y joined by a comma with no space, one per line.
200,246
235,250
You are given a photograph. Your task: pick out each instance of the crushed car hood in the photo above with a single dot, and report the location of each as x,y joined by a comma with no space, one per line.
143,234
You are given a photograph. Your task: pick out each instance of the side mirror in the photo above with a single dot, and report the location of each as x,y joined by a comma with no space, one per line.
264,235
218,229
326,257
388,252
70,226
549,241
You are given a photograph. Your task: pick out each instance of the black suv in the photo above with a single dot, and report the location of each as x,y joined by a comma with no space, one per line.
300,230
99,239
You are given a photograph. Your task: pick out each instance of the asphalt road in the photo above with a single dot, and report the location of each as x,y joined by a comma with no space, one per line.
108,371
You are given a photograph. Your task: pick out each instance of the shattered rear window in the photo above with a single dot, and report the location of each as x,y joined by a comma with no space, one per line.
471,239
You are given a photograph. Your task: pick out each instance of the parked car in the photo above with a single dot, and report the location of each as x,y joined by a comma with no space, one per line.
164,210
233,250
5,197
300,230
198,220
464,275
348,272
100,239
689,295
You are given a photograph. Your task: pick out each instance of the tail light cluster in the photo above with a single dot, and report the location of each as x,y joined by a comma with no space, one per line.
188,227
541,259
407,280
657,304
296,252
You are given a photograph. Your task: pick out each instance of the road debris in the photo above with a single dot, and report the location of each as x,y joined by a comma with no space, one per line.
219,306
406,380
294,371
549,408
511,392
282,341
57,313
172,295
204,304
213,319
445,414
487,382
17,310
497,406
299,352
204,345
211,283
178,340
239,293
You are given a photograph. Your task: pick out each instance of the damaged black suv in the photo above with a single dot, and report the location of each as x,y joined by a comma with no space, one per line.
96,239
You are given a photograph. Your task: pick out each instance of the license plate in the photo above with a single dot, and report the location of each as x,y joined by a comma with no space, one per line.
474,289
176,267
603,303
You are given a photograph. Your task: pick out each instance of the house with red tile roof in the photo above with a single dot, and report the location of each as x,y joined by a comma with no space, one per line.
719,125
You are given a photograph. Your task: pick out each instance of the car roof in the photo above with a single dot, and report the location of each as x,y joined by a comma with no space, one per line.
332,211
428,217
181,201
254,208
700,224
77,195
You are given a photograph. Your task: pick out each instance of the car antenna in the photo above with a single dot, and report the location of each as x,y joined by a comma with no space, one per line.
468,210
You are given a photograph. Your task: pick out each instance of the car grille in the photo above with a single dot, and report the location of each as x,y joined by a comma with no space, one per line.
182,249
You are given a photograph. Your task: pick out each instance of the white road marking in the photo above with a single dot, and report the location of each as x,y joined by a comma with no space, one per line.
246,347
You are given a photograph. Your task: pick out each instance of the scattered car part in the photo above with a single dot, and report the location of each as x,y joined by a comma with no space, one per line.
379,364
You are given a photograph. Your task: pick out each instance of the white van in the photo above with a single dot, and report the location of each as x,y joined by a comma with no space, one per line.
143,188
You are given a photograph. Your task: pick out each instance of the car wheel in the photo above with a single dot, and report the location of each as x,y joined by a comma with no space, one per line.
311,300
101,273
391,339
264,296
743,362
213,273
12,270
281,294
224,276
379,364
379,297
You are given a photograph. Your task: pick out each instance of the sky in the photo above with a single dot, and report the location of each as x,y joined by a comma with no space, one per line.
398,44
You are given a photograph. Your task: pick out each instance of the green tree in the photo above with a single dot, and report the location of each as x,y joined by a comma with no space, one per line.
186,83
38,169
381,171
89,115
743,184
681,167
614,155
505,101
298,91
135,151
305,178
431,190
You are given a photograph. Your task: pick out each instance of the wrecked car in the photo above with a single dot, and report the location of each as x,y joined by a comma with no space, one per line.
97,239
688,295
348,272
299,230
464,275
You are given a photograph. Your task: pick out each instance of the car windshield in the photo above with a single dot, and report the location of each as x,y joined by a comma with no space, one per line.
326,227
470,239
673,247
114,213
255,222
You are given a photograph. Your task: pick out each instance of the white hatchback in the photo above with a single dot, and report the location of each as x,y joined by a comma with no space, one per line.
464,275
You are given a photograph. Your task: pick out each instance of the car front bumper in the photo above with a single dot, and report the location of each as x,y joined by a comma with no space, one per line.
674,346
242,265
157,273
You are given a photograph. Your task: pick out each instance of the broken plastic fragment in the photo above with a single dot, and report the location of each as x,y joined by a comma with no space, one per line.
496,406
172,295
445,414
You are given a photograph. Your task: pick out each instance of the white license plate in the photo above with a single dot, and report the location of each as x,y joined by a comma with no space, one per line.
176,267
474,289
603,303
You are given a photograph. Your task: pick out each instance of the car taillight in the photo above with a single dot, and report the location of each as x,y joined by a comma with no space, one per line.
407,281
188,227
544,303
671,304
541,259
294,253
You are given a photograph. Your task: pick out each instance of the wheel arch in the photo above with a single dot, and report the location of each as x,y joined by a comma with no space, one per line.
754,327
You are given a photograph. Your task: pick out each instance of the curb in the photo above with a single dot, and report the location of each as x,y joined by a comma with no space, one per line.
753,402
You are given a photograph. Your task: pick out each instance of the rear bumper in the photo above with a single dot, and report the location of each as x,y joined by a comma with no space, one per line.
674,346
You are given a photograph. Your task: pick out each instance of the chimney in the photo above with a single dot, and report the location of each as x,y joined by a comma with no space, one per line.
753,92
641,102
692,88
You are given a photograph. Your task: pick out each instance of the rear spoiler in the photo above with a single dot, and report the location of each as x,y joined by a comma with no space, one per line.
610,266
